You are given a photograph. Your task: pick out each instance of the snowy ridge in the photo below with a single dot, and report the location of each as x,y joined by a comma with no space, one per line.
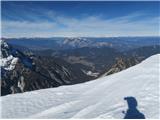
101,98
7,60
8,63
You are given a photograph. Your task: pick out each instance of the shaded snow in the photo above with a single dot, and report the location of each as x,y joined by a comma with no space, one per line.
101,98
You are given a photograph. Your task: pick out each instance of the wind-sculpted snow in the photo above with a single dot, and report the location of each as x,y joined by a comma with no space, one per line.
101,98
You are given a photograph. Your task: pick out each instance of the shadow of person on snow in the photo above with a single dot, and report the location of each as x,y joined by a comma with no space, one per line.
132,111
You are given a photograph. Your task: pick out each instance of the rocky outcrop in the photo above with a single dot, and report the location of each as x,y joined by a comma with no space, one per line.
122,64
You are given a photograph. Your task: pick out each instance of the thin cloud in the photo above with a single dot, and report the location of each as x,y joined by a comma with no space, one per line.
90,26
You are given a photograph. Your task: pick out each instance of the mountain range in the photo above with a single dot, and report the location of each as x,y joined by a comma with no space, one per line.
78,60
63,43
20,72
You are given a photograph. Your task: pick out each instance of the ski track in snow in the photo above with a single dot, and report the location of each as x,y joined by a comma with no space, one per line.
102,98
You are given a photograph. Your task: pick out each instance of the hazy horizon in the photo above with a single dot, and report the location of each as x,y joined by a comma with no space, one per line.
75,37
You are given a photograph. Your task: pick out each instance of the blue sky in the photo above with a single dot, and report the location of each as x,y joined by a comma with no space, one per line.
80,19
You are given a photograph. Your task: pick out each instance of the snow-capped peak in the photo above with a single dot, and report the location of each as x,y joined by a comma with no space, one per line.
7,61
3,44
76,42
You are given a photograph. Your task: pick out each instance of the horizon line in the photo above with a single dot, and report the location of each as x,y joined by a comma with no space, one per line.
80,37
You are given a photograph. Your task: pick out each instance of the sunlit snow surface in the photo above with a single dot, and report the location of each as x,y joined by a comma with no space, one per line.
101,98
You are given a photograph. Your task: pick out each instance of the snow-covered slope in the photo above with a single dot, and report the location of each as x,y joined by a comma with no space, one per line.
101,98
